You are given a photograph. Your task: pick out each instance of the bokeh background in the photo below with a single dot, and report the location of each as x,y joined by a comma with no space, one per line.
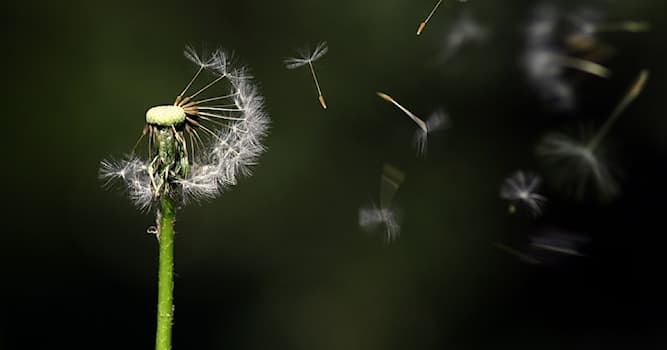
280,262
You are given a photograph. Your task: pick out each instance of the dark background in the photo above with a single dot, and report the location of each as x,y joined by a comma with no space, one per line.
279,262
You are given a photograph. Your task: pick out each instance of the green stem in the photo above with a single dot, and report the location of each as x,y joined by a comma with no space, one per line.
165,302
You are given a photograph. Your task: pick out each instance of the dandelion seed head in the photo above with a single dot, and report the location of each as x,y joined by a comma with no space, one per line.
199,146
521,188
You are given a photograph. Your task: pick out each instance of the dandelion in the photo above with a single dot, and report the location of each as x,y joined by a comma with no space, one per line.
307,58
582,161
386,214
436,121
521,188
197,147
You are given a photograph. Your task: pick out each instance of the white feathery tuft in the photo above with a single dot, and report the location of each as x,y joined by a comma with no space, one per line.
372,217
235,148
438,120
522,188
576,164
307,56
134,173
191,54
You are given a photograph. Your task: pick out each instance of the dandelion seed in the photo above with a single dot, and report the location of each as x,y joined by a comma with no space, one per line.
307,58
420,123
521,188
422,25
386,214
197,147
428,18
436,121
580,161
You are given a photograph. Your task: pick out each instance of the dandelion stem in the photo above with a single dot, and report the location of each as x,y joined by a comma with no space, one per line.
165,304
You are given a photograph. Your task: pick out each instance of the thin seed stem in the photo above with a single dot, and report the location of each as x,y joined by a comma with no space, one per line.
428,18
165,313
222,124
200,142
143,133
222,109
219,116
631,95
215,98
207,86
317,85
192,81
417,120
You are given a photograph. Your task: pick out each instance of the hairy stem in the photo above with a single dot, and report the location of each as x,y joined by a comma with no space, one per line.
165,303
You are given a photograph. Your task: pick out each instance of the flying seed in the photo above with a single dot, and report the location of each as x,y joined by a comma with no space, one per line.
581,160
386,214
422,25
420,123
307,58
428,18
436,121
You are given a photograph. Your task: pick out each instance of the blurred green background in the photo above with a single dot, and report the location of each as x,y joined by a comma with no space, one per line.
279,262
